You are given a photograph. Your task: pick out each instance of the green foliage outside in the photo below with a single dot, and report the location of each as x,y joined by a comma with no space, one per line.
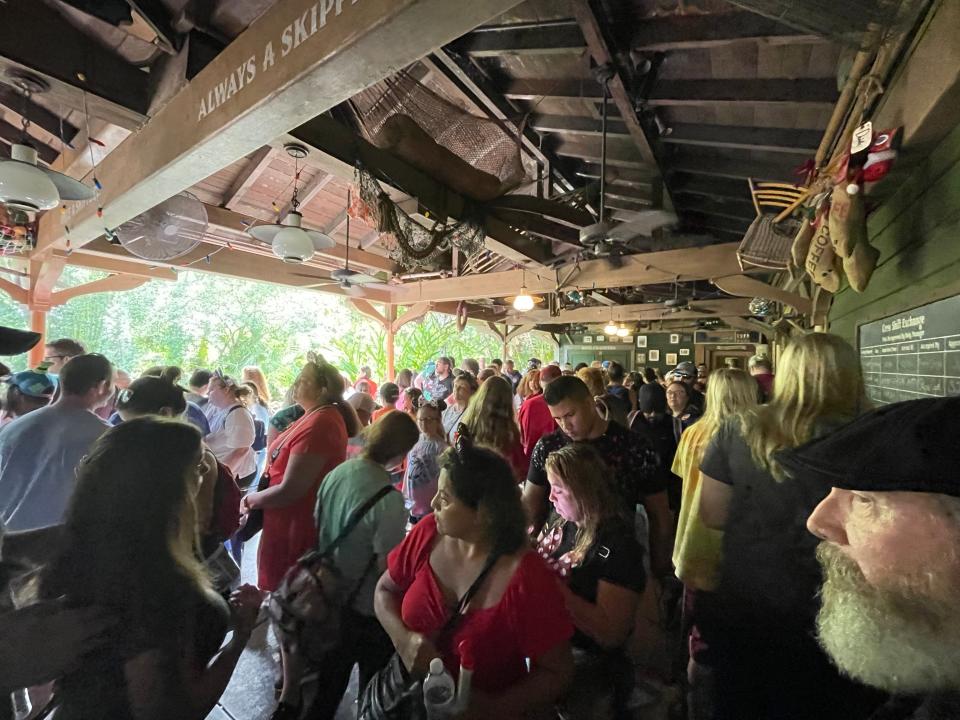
205,320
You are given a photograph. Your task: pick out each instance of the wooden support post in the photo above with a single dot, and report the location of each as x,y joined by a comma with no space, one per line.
38,323
391,319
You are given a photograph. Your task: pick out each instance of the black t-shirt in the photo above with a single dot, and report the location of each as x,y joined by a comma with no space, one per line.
635,468
619,391
615,557
945,706
770,576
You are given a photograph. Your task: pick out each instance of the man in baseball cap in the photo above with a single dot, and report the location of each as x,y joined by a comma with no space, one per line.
28,390
891,552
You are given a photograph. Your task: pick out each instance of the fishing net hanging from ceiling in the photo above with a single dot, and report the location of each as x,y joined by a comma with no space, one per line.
407,242
472,155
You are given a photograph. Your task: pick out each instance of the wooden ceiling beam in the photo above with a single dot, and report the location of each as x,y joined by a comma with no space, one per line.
603,55
665,266
686,32
36,38
729,207
578,125
343,149
803,91
554,88
256,164
589,153
780,140
736,307
117,264
236,263
734,169
548,38
307,193
712,187
716,222
281,72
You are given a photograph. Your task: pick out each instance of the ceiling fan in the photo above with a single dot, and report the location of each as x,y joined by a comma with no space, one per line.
678,304
604,239
348,280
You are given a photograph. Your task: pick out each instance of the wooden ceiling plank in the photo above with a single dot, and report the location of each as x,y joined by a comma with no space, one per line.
803,91
37,114
783,140
683,32
279,73
549,38
307,193
734,169
255,167
578,125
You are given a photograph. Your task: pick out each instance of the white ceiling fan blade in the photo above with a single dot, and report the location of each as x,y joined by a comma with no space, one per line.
643,226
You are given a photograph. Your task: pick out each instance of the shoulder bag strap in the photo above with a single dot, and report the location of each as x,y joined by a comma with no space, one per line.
468,595
356,518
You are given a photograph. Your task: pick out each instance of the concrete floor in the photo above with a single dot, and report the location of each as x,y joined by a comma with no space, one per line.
250,694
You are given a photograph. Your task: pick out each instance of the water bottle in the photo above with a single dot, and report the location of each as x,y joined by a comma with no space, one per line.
22,707
439,692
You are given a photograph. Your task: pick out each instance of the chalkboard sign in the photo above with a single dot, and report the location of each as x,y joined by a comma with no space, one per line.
914,354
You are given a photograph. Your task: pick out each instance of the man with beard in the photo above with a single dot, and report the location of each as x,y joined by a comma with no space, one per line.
890,616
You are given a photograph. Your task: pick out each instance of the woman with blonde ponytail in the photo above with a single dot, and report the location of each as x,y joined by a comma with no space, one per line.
767,662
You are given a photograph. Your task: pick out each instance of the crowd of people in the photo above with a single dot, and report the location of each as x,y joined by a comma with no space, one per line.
516,524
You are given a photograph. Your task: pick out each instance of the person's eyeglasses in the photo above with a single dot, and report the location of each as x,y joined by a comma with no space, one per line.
47,358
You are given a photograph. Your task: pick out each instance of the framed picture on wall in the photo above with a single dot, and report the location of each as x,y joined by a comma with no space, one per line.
684,351
599,338
641,357
654,355
587,339
674,339
641,341
671,358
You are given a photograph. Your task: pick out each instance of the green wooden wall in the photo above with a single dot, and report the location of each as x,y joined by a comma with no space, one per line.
917,231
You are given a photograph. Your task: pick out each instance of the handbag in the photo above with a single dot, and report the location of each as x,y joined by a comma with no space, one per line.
307,606
392,694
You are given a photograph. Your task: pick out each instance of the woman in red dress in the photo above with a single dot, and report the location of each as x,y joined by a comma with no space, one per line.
298,459
517,612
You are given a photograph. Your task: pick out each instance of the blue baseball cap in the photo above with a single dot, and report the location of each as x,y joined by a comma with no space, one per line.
32,383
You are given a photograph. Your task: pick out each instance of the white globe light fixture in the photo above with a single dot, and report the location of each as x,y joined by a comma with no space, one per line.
611,328
622,331
23,185
289,240
524,301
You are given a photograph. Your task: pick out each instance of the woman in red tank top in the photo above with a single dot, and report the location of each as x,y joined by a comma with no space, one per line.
518,611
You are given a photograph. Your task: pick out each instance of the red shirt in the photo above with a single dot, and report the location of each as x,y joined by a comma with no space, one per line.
288,532
535,421
529,620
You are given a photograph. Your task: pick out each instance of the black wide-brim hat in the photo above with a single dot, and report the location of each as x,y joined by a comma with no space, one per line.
911,446
14,342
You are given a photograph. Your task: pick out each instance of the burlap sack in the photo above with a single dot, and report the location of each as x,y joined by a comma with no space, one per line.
801,243
859,267
820,258
848,220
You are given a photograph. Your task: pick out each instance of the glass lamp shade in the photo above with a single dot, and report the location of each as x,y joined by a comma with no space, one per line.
610,329
23,185
622,331
293,245
524,301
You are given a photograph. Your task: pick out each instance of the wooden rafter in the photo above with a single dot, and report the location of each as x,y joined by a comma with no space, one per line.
684,32
546,38
700,309
111,283
256,164
309,191
782,140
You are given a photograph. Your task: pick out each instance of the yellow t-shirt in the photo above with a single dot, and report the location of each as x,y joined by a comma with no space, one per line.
696,552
